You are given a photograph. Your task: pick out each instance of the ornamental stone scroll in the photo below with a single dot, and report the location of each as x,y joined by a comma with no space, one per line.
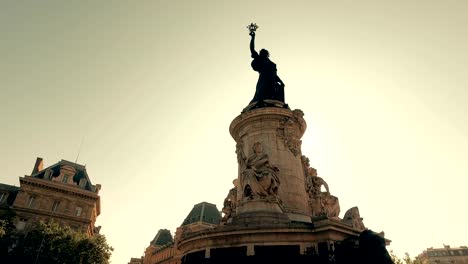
290,131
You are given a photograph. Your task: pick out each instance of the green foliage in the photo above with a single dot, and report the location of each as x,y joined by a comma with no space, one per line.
406,259
395,258
3,224
51,243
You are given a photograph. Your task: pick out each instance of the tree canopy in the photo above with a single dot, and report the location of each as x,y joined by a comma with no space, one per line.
52,243
406,259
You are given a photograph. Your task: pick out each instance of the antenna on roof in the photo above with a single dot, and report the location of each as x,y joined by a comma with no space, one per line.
79,150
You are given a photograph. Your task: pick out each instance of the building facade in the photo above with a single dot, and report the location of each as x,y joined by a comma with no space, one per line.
62,193
136,261
162,250
445,255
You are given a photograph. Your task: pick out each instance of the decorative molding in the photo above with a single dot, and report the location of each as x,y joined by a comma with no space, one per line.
290,131
63,188
264,114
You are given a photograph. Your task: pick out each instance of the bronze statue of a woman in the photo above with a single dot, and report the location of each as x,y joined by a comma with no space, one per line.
269,85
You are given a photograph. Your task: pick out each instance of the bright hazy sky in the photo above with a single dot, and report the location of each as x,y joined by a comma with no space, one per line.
152,86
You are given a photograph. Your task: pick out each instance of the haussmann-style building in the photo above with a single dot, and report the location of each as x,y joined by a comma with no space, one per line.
62,193
445,255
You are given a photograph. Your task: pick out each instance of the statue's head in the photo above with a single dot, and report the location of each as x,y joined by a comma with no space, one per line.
264,53
257,147
312,172
235,182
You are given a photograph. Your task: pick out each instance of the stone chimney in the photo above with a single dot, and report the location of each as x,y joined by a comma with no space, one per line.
38,166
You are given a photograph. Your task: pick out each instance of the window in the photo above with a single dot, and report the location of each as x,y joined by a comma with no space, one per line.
82,183
2,197
78,211
55,206
48,174
21,224
31,201
65,178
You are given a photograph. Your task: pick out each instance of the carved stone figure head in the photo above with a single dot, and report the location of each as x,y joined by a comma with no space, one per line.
305,161
235,182
257,148
312,172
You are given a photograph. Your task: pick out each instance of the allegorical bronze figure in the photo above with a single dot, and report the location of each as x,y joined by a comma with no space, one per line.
269,85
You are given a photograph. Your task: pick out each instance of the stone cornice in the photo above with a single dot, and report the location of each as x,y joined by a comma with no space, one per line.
59,187
272,113
50,214
295,233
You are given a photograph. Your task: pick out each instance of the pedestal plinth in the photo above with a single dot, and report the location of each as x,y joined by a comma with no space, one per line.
270,137
259,212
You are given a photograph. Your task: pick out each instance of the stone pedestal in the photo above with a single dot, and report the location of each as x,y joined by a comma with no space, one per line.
268,214
279,132
259,213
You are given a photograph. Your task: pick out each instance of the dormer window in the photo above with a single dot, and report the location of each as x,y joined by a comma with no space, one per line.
2,197
67,173
48,174
83,182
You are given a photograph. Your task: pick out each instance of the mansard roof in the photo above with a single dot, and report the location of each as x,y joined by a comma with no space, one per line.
203,212
9,188
78,170
11,192
163,237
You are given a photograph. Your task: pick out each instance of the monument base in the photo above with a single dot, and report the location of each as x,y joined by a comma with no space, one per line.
259,212
260,218
265,103
299,217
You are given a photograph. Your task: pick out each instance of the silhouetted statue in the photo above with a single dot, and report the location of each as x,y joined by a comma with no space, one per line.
269,85
370,250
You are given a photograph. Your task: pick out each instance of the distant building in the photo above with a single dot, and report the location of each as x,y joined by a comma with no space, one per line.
136,261
62,193
162,249
445,255
203,216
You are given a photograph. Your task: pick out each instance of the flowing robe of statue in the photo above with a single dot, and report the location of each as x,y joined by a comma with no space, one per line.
258,177
322,203
230,204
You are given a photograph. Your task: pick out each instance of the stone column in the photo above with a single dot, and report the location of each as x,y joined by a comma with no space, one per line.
279,132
